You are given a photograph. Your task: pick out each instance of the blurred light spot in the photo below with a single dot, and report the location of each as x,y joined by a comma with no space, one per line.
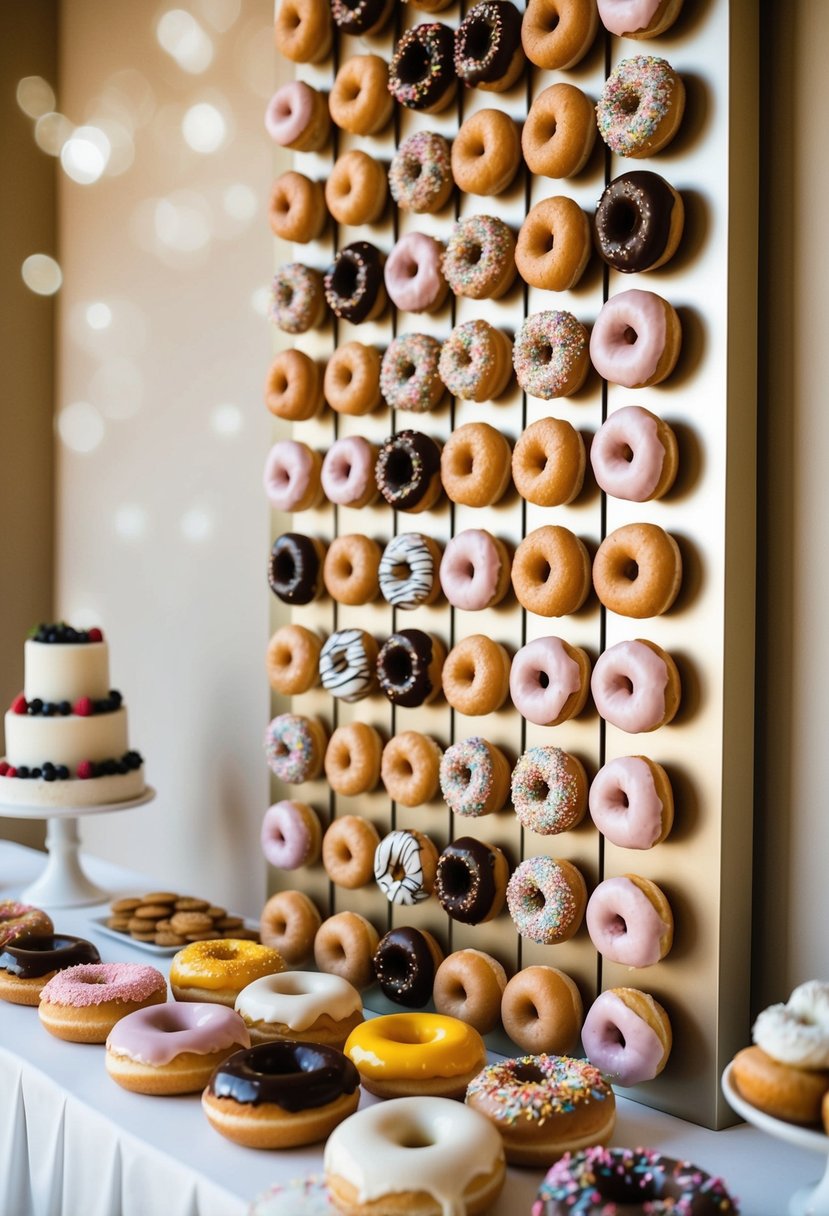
240,201
180,224
130,521
128,98
122,148
204,128
260,301
82,616
253,56
85,154
98,315
116,389
196,524
182,37
226,420
35,96
221,14
41,274
80,426
51,132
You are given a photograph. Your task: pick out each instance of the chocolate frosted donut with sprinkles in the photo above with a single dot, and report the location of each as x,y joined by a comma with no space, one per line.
638,222
420,174
471,880
354,283
405,963
551,354
546,898
347,664
409,667
422,73
488,50
295,568
361,16
408,471
641,106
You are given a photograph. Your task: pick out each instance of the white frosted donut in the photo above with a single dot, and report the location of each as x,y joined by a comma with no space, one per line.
797,1033
630,686
347,664
408,570
298,999
629,454
625,804
653,326
404,867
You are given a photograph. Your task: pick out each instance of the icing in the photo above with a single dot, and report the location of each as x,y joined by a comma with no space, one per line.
357,16
353,281
96,983
223,964
348,470
403,667
486,41
414,1046
548,347
633,220
419,171
624,925
614,356
546,791
624,804
536,1088
797,1033
542,679
620,1042
627,454
294,1076
544,879
470,570
157,1035
413,276
476,254
287,836
421,69
629,684
466,776
288,470
346,669
405,467
398,868
298,999
29,957
635,99
290,748
407,571
409,377
405,967
622,17
294,568
289,112
465,880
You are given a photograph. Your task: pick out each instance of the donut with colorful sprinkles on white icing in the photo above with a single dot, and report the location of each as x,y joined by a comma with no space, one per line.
641,106
546,897
295,747
551,354
549,790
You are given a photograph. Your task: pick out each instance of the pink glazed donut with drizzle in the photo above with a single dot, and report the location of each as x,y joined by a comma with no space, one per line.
291,835
172,1048
292,476
630,921
631,802
636,686
474,570
348,472
548,681
634,455
636,339
414,279
626,1046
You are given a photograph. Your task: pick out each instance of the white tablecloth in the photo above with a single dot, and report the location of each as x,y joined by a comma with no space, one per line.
73,1143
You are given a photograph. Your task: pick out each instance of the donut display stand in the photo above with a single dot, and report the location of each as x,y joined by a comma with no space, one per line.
709,401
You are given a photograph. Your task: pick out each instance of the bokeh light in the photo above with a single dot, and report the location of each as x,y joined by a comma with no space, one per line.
85,155
98,315
80,427
221,14
181,222
226,420
184,38
41,274
240,202
35,96
116,389
196,524
52,131
130,521
204,128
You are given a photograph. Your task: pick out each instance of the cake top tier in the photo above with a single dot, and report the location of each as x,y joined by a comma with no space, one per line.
61,634
66,671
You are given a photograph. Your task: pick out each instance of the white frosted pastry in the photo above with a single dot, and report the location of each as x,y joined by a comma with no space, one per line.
64,672
310,1006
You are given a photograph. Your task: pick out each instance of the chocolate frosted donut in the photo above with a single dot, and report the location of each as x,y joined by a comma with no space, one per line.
295,568
360,16
422,75
409,666
405,964
408,471
488,52
471,879
294,1076
354,283
638,222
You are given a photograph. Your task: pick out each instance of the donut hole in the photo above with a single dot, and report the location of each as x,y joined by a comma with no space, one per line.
464,776
414,64
222,954
477,149
465,465
543,679
412,168
397,666
279,383
465,673
623,221
478,40
535,899
456,992
630,570
282,477
415,1137
626,453
344,568
351,91
617,926
548,129
280,748
285,294
399,468
396,968
344,375
455,878
344,279
402,571
622,684
549,22
463,357
407,371
398,872
344,853
630,335
281,205
538,790
628,102
339,662
403,768
543,353
614,1035
472,254
337,950
529,1074
467,571
411,269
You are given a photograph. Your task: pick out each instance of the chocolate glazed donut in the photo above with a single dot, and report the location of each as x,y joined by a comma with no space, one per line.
407,469
405,967
486,41
359,16
465,880
294,1076
421,70
638,221
354,282
403,667
294,568
30,957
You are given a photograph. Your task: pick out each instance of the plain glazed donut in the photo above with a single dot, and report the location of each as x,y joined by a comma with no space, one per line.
638,18
405,963
634,455
422,74
302,30
476,361
627,1035
631,802
356,189
476,675
409,377
293,660
294,747
551,354
288,924
404,867
548,680
295,568
297,208
410,768
354,283
413,274
641,106
548,463
352,379
291,835
636,339
475,465
293,389
474,777
551,572
297,117
348,849
549,791
359,100
350,569
408,570
558,33
479,261
345,945
468,986
559,133
637,571
553,246
347,663
546,897
409,667
471,880
542,1010
420,179
486,153
793,1094
475,570
636,686
630,921
488,51
83,1003
22,920
297,300
352,759
307,1006
408,471
348,472
638,222
420,1054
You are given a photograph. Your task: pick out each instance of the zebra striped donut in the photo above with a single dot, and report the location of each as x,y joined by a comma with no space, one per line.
347,664
404,867
407,570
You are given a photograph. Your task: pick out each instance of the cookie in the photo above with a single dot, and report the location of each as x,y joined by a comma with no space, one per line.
191,922
121,906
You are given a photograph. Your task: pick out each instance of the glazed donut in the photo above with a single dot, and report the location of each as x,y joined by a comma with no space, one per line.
409,377
22,920
474,777
630,921
476,675
636,339
359,100
548,681
352,759
635,686
288,924
640,1180
486,153
480,255
281,1095
551,572
641,106
558,33
475,570
551,355
83,1003
549,790
420,178
634,455
405,963
471,880
354,283
404,867
631,802
361,16
291,835
295,568
297,117
546,897
408,570
352,379
217,971
553,246
476,361
294,747
638,222
409,667
637,571
302,30
544,1106
347,663
559,133
408,471
348,850
350,569
413,275
348,472
297,299
793,1094
410,768
653,16
356,189
422,74
293,660
293,389
297,208
369,1166
27,963
797,1033
300,1005
488,51
172,1048
345,946
468,986
475,465
627,1035
542,1011
408,1054
548,463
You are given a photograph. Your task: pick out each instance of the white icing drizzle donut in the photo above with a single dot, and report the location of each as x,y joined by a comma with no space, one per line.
297,999
346,667
797,1033
407,552
398,868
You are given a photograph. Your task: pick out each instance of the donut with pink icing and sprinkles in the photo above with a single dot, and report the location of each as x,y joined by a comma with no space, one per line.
546,897
83,1003
551,354
476,361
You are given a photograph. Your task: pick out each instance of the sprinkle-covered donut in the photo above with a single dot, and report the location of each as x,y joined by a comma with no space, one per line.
297,208
348,472
476,675
352,759
551,571
558,33
476,361
474,777
551,354
553,246
352,379
636,686
636,339
293,660
408,471
638,222
475,570
420,177
359,100
546,898
22,920
348,850
548,680
354,283
290,835
548,463
404,867
83,1003
295,747
413,275
356,190
637,570
630,921
293,388
488,51
297,299
641,106
347,663
631,802
409,768
297,117
471,880
475,465
422,73
634,455
295,568
405,963
479,261
627,1035
408,570
409,667
350,569
361,16
559,133
542,1010
486,153
292,476
549,790
409,377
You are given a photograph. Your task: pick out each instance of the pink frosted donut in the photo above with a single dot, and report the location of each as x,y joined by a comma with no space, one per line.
474,572
629,921
96,983
290,470
638,18
636,339
414,279
290,112
291,835
621,1043
634,455
635,686
157,1034
348,472
545,675
626,805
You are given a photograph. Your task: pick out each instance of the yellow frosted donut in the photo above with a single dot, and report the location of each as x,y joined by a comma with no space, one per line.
404,1054
217,971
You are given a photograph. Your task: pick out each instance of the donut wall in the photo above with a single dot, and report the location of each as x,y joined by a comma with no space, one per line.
703,867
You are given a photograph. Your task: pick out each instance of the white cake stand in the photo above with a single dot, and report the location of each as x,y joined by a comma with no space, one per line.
810,1200
64,883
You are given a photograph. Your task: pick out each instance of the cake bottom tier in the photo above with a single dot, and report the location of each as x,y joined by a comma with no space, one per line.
95,791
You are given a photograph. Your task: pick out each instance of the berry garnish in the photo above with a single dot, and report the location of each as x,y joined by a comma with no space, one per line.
35,706
83,707
4,767
19,705
23,770
11,771
85,770
95,635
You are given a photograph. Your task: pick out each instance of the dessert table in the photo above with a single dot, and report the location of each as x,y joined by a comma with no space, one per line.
72,1141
